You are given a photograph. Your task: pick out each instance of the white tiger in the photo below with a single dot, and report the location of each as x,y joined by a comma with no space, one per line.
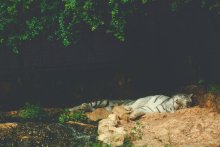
149,104
158,103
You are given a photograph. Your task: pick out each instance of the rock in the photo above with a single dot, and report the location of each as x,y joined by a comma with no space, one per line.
8,125
121,113
98,114
109,132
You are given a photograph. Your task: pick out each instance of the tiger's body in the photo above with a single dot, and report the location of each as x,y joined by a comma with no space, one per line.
149,104
158,103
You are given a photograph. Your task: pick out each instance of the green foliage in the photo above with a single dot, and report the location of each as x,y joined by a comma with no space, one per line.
32,112
203,3
178,3
200,81
137,131
78,116
63,20
98,145
214,88
127,142
95,144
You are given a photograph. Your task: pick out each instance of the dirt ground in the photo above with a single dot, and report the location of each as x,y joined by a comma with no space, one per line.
194,127
20,133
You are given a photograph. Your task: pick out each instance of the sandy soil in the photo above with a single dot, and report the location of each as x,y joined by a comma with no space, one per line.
194,127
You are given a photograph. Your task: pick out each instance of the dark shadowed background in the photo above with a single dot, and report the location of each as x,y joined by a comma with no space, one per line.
162,52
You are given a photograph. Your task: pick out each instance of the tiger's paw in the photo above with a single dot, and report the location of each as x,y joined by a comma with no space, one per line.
127,108
136,114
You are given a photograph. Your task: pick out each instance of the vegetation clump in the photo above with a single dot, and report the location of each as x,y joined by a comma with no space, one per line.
78,116
137,131
213,88
64,20
32,112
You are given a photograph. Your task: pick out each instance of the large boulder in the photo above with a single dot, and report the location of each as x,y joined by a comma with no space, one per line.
109,132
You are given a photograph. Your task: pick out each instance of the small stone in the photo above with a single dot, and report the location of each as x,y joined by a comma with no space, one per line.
121,113
98,114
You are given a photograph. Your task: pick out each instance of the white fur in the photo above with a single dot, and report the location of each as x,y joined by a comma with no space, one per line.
158,103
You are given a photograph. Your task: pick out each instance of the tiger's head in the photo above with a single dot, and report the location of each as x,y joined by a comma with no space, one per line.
182,101
84,107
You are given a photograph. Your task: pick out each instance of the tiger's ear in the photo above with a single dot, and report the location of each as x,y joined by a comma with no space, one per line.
190,95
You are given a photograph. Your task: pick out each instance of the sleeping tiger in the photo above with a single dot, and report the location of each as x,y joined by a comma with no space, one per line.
158,103
149,104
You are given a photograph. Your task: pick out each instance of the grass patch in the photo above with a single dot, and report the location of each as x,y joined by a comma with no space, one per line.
32,112
78,116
